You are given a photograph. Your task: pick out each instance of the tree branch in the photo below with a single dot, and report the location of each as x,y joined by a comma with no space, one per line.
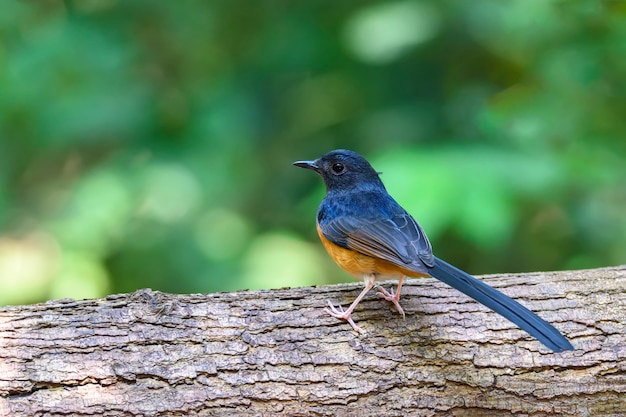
266,353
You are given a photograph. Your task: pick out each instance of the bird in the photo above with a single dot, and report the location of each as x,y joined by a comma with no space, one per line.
370,236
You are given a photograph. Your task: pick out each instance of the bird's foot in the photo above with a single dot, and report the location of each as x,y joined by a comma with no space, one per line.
393,297
339,313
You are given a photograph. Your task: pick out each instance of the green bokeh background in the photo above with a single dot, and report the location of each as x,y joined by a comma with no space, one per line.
149,143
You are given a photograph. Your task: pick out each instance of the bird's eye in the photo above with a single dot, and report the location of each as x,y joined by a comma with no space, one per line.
338,168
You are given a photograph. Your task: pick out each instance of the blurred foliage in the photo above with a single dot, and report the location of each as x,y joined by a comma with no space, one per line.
149,143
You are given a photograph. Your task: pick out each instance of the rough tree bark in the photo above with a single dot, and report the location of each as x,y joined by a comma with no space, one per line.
267,353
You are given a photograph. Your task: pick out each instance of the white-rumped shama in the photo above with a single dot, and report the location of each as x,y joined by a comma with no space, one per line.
368,234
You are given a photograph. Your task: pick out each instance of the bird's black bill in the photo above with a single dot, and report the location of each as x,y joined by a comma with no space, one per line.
308,165
501,304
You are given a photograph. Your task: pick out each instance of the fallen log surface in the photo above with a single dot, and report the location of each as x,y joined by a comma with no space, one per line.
275,352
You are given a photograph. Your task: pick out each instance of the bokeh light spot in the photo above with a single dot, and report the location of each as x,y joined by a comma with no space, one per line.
80,276
381,33
276,260
27,265
171,193
222,234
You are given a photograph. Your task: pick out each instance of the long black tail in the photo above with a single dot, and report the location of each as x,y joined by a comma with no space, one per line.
501,304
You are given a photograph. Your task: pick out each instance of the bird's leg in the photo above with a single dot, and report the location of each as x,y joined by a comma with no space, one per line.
339,313
393,297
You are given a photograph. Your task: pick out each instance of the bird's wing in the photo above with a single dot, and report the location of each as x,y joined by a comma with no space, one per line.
397,238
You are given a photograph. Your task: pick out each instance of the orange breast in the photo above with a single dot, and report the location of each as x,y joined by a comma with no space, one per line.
358,264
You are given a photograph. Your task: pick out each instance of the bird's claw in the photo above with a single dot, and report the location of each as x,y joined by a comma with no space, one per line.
392,297
339,313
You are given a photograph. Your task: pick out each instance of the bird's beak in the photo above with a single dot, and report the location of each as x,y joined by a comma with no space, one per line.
308,165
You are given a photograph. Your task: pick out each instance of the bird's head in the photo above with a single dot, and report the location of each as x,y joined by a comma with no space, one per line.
343,170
